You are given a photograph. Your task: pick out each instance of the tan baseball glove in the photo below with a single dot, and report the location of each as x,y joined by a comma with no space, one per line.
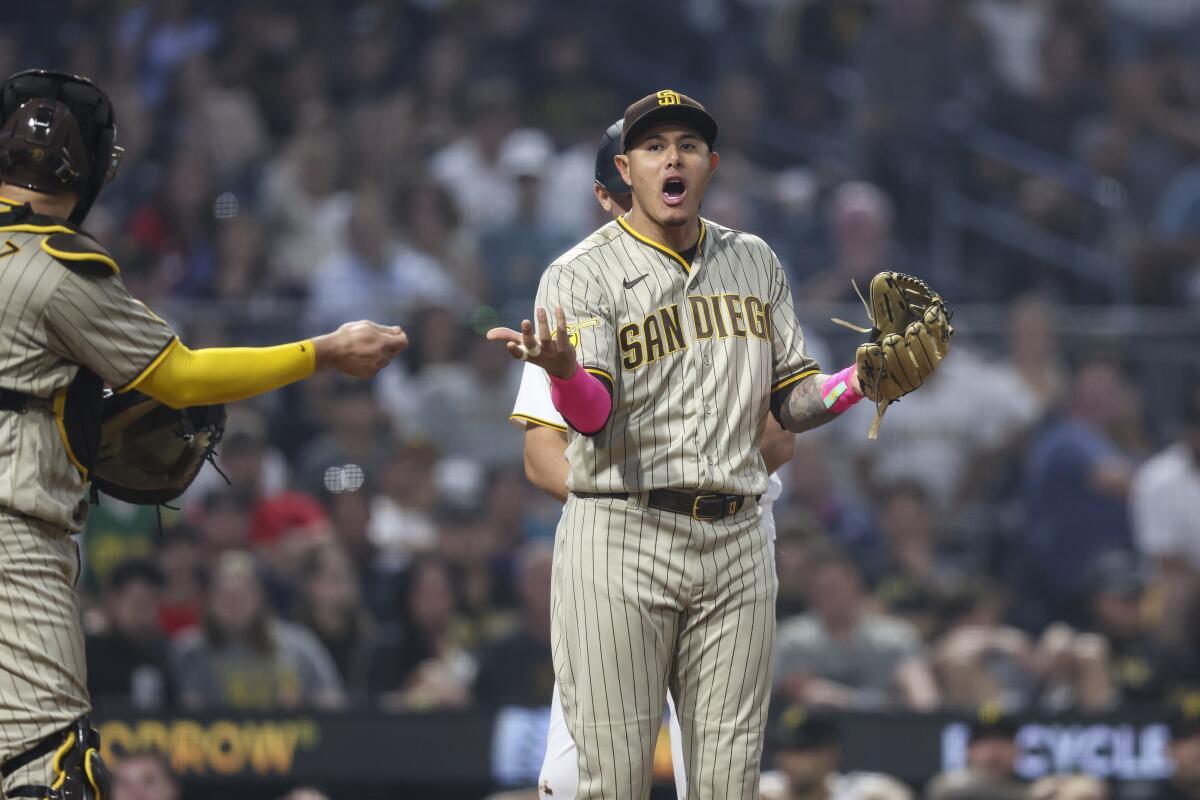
910,335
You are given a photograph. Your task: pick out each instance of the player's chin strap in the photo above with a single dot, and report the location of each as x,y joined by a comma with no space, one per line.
79,772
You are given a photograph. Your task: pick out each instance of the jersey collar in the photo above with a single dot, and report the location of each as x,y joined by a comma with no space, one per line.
662,248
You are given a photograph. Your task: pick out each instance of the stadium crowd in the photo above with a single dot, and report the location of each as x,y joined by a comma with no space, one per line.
1035,543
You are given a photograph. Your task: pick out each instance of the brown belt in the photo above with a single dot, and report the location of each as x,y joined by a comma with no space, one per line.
704,506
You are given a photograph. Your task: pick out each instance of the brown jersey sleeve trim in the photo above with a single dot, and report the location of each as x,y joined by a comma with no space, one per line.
603,374
786,382
158,359
530,420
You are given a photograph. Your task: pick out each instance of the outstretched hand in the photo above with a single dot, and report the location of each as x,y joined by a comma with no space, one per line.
360,349
550,350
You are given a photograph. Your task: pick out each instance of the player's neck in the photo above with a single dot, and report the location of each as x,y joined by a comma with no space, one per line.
677,237
50,204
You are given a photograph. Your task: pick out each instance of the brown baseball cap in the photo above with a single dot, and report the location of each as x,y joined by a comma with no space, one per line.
667,105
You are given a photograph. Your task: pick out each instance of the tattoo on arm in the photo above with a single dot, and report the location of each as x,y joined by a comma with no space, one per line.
804,410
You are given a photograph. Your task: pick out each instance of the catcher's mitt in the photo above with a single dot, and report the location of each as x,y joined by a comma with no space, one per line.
910,336
149,452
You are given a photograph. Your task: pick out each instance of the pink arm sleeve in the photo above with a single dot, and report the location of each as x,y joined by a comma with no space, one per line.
582,400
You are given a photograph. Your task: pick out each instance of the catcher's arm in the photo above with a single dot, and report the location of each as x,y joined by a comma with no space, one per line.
183,378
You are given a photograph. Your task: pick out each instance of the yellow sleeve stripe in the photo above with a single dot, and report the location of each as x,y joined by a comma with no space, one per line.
66,256
60,404
158,359
797,377
36,229
662,247
599,373
528,420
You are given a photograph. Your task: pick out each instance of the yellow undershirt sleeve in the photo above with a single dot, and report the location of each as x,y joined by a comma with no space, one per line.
186,377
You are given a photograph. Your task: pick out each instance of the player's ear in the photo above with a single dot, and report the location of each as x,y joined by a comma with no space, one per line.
622,162
602,197
714,158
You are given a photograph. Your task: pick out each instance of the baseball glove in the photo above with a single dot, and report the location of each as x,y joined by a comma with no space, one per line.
910,335
149,452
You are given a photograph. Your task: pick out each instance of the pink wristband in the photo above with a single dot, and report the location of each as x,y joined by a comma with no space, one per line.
582,400
837,394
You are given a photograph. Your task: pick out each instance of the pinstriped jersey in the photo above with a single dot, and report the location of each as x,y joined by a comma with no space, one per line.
692,353
52,320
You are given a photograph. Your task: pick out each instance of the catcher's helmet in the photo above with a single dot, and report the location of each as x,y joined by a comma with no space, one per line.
607,175
57,134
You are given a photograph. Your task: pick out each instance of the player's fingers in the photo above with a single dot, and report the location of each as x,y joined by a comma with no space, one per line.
528,337
561,335
503,335
543,324
516,350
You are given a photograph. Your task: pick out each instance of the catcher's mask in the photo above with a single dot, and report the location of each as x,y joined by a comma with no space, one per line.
57,134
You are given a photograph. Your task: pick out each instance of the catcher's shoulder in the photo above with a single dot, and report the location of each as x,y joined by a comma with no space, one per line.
65,243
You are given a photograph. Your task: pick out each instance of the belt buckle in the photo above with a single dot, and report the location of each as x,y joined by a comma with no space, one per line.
696,515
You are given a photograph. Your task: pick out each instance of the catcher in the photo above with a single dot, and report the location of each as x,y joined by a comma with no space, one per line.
68,327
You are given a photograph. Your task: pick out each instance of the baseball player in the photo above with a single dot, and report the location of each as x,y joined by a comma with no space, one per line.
67,327
673,337
546,468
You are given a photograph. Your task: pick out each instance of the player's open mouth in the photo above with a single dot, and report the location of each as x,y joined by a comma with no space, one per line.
673,191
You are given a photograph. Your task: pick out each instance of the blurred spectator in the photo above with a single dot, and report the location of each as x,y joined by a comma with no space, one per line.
1140,670
355,446
1034,353
1076,484
127,660
966,413
283,528
374,275
242,657
990,773
980,661
518,250
401,524
182,564
1185,751
457,407
424,662
1068,787
305,208
143,776
913,59
331,606
175,231
470,543
806,759
223,521
816,483
861,242
916,570
470,168
843,655
796,534
517,669
432,225
206,107
116,531
1165,497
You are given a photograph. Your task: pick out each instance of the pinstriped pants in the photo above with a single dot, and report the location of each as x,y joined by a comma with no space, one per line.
43,671
643,599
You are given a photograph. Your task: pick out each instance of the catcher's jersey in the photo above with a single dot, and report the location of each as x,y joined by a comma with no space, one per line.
53,319
693,353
